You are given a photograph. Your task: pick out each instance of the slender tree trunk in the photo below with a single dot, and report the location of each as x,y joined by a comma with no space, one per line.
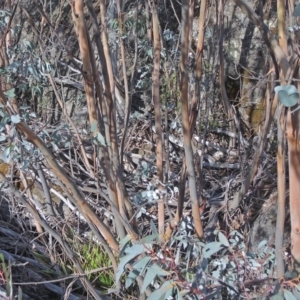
158,119
184,91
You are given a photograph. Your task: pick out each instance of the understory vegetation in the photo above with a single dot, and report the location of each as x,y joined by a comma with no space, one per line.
149,149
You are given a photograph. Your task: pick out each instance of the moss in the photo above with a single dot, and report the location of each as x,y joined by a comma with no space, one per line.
253,112
256,115
91,257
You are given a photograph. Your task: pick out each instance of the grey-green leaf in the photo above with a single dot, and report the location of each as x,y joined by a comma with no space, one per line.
142,264
288,295
277,297
296,292
153,227
15,119
161,291
149,239
169,292
296,12
131,278
290,89
135,249
223,239
123,262
179,296
20,293
149,277
93,126
262,244
10,93
159,271
101,139
123,244
211,249
288,95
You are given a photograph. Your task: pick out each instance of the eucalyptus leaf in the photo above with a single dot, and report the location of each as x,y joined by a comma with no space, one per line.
142,264
135,249
288,95
94,126
288,295
101,139
161,291
149,239
124,243
277,297
296,12
123,262
149,277
169,293
15,119
223,239
159,271
20,293
211,249
262,244
10,93
6,156
179,296
296,293
153,227
131,278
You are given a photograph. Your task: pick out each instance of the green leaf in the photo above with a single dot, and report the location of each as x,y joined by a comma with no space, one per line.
161,291
296,12
123,262
211,249
288,295
288,95
223,239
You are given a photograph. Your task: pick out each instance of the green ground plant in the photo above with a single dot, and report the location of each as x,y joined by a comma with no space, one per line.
92,257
